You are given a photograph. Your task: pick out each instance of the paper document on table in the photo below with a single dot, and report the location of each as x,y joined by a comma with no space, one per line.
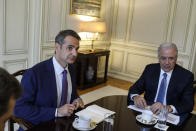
173,119
96,112
133,107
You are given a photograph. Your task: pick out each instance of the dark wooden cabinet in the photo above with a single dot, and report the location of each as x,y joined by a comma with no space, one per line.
92,67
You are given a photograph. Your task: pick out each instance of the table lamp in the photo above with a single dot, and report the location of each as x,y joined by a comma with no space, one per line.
93,27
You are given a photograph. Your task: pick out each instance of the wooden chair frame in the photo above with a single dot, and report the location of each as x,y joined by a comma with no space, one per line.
24,124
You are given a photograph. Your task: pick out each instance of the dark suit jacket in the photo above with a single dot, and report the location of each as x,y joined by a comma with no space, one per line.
180,89
39,100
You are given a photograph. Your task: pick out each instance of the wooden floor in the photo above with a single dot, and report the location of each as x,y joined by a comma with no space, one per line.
116,83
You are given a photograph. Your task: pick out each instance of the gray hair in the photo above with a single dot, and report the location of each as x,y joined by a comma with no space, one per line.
168,46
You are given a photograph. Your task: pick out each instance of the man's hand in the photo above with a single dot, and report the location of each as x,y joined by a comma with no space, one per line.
169,108
65,110
155,108
78,103
139,101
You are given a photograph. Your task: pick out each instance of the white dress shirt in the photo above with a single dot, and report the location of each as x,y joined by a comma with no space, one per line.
167,84
58,69
160,78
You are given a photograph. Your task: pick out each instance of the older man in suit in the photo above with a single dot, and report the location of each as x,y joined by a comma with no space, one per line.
166,84
50,86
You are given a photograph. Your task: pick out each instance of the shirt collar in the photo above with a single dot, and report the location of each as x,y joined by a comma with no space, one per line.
58,68
168,73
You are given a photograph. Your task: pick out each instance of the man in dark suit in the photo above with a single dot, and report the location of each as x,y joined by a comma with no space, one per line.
178,95
45,96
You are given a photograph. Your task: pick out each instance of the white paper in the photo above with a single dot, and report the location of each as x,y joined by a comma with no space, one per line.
96,112
173,119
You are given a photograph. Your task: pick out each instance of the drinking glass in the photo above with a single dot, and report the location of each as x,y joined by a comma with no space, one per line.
162,117
108,122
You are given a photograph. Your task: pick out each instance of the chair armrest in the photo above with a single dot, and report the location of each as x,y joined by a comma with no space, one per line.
21,122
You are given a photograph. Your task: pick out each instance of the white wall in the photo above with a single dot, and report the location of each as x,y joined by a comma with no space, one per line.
19,33
140,26
56,17
135,28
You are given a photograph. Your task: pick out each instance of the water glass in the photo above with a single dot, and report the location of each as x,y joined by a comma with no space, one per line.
162,117
144,128
108,122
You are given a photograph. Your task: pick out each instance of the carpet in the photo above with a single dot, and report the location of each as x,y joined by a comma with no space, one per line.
102,92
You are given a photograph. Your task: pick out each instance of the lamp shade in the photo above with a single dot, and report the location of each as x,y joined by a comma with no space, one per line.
95,27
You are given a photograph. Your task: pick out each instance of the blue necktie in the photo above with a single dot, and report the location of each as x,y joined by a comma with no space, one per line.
162,89
64,89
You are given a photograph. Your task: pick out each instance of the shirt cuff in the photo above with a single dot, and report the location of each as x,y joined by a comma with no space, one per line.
173,109
132,95
56,115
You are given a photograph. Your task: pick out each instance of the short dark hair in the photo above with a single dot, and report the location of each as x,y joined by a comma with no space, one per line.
63,34
9,87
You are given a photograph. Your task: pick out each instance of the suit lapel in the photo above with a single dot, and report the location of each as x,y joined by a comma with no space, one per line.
171,86
156,78
51,79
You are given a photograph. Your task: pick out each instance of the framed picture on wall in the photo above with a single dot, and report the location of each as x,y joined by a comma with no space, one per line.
86,7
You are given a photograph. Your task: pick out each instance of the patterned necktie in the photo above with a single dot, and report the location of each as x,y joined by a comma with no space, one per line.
64,89
162,89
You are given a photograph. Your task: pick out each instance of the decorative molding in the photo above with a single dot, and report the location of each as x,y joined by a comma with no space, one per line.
47,51
131,76
48,39
135,45
35,31
64,11
188,20
123,71
192,62
112,66
23,62
116,7
130,18
171,15
119,23
109,7
163,26
4,30
140,46
150,56
123,76
17,51
47,17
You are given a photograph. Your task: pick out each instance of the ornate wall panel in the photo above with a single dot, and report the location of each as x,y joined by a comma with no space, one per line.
149,22
47,52
15,65
16,26
1,26
117,58
121,20
181,24
137,62
52,22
